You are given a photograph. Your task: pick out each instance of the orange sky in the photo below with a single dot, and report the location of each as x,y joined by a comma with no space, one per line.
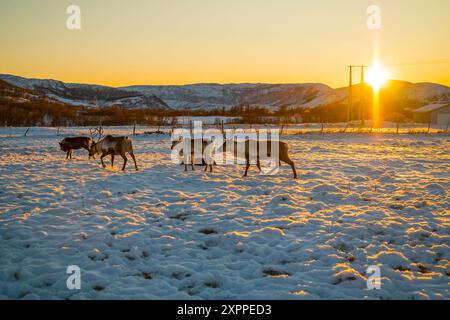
190,41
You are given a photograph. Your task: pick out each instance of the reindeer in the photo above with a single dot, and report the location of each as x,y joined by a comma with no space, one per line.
206,144
283,149
113,146
75,143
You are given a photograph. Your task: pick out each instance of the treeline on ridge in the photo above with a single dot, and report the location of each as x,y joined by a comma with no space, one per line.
40,111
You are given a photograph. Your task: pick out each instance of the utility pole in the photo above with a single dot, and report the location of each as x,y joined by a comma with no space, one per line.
362,103
349,107
350,95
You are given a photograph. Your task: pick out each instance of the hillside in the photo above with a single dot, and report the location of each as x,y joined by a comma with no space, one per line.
87,95
272,96
220,96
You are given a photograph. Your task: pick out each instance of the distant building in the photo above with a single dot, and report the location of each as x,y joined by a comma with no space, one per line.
436,113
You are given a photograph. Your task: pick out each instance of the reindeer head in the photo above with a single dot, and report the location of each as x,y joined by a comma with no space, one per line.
62,146
93,150
93,144
175,142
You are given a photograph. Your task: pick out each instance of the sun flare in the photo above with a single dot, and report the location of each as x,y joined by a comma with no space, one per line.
377,76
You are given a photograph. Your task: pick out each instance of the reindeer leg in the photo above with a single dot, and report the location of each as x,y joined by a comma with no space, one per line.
112,160
193,162
89,157
101,159
246,167
258,164
124,161
210,164
67,155
184,161
208,160
134,159
291,163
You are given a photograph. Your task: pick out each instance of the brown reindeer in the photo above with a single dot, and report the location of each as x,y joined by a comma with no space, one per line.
283,149
113,146
75,143
207,159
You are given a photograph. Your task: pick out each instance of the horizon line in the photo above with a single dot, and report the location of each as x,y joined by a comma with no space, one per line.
210,83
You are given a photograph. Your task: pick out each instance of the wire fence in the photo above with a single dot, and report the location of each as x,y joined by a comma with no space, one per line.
285,129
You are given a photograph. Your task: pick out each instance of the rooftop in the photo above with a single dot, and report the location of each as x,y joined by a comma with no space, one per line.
433,107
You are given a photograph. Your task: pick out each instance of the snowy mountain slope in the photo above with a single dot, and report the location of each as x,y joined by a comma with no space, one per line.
228,95
9,92
402,90
308,95
212,95
427,92
87,95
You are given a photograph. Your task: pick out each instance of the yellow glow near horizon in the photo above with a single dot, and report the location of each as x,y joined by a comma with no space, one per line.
377,76
376,120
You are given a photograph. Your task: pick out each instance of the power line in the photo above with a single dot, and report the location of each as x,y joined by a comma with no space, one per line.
417,63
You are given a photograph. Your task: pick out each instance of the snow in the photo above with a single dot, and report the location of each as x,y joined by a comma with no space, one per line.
160,232
214,95
428,91
432,107
59,91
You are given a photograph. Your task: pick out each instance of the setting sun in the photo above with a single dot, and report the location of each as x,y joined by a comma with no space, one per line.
377,76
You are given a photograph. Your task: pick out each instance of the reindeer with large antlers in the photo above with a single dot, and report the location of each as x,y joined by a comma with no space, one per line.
113,146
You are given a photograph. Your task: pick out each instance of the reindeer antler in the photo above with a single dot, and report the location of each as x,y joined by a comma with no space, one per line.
100,133
96,132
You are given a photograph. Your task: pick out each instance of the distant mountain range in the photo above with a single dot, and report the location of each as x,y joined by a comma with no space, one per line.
208,96
86,95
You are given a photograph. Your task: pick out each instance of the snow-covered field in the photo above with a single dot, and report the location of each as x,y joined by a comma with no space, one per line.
160,232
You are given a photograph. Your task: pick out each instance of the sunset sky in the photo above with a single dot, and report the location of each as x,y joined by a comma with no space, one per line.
189,41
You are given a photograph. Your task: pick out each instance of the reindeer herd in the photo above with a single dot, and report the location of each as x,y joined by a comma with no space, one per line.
110,145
